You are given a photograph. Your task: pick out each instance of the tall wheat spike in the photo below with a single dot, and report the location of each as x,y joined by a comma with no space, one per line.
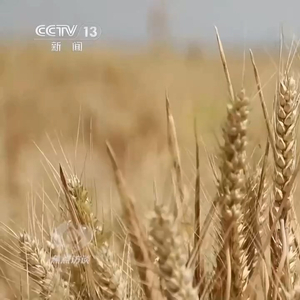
283,249
232,258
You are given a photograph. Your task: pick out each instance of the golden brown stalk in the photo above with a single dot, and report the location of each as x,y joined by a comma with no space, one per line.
255,208
225,66
251,227
232,191
263,104
177,279
175,154
199,276
262,194
138,238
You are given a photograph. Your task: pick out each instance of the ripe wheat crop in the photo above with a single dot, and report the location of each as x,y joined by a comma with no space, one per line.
252,220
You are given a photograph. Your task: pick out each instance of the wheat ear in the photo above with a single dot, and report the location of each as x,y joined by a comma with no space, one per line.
38,265
168,245
282,242
232,191
108,275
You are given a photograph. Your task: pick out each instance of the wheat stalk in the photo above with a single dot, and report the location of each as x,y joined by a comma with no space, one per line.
142,253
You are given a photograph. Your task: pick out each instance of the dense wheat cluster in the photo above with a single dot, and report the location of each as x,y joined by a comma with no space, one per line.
255,249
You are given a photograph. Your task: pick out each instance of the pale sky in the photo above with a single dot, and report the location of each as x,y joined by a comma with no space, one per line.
126,20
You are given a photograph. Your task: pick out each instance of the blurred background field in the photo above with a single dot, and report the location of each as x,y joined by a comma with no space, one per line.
109,95
55,102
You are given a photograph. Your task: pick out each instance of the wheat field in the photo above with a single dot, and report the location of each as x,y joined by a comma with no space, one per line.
149,175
